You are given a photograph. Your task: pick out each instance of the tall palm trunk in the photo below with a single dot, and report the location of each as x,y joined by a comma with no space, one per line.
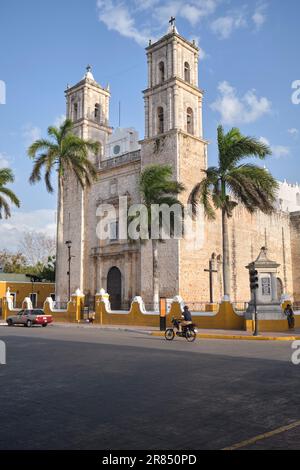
59,231
226,258
155,275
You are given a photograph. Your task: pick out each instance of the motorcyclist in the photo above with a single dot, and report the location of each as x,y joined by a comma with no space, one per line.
187,318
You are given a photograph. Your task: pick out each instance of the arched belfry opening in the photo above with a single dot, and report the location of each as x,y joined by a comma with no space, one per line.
190,121
97,112
187,72
161,72
114,288
160,120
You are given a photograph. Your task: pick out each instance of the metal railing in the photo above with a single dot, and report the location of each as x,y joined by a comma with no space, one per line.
196,306
240,306
60,305
121,160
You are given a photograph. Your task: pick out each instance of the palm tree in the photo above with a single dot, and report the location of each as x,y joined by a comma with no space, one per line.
6,194
235,182
65,153
157,188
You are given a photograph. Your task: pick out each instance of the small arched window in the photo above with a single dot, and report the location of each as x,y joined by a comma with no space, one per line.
160,120
187,72
161,72
190,121
75,111
97,112
298,199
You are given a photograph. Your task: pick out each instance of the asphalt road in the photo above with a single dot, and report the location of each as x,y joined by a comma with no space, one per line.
75,388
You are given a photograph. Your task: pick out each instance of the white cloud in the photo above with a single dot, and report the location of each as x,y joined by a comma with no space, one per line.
235,110
202,53
126,18
191,13
224,26
278,151
4,160
11,230
59,120
30,133
117,17
259,17
293,132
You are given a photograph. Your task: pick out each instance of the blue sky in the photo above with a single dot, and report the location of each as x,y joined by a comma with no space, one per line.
249,60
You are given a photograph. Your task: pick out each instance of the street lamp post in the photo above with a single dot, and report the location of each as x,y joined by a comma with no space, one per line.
69,245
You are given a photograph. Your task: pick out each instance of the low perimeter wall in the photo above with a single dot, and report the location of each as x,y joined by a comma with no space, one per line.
224,319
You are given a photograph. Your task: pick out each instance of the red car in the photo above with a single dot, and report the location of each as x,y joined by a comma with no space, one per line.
29,318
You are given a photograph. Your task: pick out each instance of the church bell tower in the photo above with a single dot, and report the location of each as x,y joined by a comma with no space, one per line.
173,136
173,99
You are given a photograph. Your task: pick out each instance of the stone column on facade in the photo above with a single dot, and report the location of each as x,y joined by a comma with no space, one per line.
150,117
175,110
170,114
149,61
107,110
274,287
175,55
169,62
95,283
68,106
196,70
128,265
147,117
134,262
85,104
200,126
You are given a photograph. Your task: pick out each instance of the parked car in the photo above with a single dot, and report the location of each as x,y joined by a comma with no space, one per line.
29,318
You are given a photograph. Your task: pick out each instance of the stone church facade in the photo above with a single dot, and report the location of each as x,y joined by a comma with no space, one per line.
173,135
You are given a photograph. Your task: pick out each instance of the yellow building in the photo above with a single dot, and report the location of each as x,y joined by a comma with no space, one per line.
21,287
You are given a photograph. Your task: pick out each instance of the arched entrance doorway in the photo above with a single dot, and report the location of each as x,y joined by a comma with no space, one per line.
114,288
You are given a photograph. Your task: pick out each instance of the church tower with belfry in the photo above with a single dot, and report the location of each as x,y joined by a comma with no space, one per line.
87,106
174,136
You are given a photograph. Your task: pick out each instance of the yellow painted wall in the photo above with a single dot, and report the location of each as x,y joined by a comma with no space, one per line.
272,325
224,319
71,315
134,317
23,289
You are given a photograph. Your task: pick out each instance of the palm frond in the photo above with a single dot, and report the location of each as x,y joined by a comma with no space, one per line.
6,176
41,145
11,195
4,207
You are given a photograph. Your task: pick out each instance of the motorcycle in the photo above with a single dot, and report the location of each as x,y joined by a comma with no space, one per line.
189,332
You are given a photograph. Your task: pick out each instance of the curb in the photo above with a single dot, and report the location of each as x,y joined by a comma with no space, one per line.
99,327
238,337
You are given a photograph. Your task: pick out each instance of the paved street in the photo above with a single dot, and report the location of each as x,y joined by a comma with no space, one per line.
81,388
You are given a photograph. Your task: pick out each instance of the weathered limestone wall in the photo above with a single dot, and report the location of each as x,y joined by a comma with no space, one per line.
247,234
102,255
295,248
72,230
161,150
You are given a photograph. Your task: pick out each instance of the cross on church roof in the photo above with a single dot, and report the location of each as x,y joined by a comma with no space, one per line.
172,21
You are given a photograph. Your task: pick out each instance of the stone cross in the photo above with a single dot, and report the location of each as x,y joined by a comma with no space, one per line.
172,21
211,271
